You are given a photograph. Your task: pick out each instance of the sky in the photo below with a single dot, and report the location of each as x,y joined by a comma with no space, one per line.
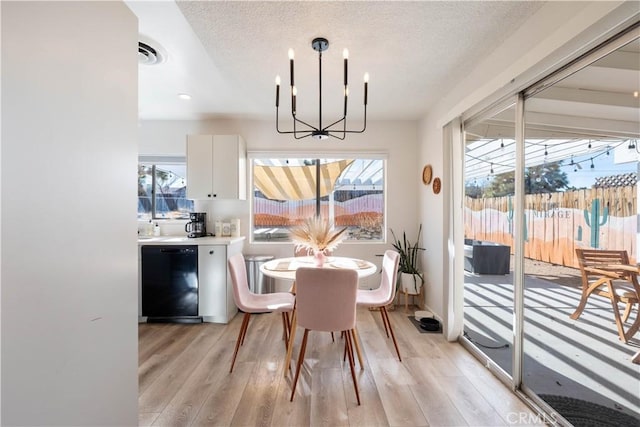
603,166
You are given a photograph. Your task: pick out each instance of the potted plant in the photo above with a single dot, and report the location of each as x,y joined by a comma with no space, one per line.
408,266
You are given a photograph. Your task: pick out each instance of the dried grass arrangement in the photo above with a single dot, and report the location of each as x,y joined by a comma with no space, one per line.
317,235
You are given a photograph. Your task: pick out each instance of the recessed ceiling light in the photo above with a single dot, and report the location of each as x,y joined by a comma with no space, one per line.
184,96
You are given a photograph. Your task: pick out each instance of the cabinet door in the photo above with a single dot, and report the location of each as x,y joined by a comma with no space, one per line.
228,152
212,283
199,167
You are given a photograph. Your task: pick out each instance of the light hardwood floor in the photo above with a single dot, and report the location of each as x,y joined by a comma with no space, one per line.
184,379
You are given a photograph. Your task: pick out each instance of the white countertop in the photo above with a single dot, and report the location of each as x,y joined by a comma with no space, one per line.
184,240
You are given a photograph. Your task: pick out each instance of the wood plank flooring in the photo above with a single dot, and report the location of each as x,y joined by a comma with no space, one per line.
184,379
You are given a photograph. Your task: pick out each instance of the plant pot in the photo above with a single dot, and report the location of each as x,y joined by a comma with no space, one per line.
410,283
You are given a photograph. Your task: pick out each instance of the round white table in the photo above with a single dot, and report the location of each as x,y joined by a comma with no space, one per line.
285,268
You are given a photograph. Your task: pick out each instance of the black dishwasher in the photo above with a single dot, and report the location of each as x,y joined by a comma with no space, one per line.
170,283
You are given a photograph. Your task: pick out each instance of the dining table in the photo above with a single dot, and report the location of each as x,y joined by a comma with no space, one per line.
285,269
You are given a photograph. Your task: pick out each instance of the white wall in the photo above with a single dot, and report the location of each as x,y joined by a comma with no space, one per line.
399,139
559,31
69,270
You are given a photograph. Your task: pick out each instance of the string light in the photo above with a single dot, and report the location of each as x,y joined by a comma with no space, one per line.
491,168
592,166
607,150
589,146
546,153
632,144
571,160
501,144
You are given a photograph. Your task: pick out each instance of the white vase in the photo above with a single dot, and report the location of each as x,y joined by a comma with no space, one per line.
410,283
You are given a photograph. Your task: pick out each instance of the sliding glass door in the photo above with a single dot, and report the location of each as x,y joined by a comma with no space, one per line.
488,235
547,177
580,190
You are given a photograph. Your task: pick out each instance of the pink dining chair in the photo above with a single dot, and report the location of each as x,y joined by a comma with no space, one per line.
249,302
385,293
326,301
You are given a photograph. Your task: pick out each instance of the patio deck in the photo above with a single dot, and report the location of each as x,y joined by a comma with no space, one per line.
582,358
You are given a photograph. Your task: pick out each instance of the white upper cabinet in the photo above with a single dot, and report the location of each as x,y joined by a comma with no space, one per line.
216,167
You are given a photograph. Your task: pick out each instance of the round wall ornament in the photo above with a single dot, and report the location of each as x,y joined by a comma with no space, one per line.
437,185
426,174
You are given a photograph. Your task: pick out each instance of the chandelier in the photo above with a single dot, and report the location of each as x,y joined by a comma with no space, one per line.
320,44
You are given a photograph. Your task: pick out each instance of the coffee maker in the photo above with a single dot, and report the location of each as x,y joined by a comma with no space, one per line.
197,225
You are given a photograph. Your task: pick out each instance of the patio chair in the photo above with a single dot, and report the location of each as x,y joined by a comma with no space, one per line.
608,273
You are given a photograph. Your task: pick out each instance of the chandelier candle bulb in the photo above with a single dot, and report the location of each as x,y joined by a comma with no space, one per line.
345,55
294,93
291,66
366,87
346,94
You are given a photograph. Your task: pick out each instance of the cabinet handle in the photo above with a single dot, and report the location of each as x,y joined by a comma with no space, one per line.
215,195
211,252
208,195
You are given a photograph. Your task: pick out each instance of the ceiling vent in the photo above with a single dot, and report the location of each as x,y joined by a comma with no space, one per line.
147,55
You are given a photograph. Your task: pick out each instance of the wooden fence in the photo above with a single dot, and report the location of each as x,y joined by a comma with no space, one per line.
557,223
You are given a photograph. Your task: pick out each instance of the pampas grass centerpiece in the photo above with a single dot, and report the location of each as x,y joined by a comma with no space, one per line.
317,235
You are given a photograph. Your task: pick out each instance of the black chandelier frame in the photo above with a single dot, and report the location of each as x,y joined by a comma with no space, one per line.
319,44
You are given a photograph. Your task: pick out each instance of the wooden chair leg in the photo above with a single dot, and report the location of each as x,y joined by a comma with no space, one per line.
616,312
244,332
636,358
303,348
348,346
240,340
354,338
586,293
285,329
627,311
292,336
393,336
384,322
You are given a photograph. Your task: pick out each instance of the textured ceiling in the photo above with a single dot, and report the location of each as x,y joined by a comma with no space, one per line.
415,52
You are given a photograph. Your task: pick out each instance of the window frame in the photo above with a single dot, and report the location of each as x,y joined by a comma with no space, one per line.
153,162
256,155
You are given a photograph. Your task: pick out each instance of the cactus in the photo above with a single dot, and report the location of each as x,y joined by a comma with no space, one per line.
593,220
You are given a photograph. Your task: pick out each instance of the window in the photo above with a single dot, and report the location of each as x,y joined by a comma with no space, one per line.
162,187
349,192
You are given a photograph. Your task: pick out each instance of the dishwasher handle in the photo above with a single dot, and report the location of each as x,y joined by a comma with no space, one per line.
177,250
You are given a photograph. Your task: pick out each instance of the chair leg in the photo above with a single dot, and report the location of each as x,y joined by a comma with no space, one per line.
285,329
616,312
303,348
244,332
627,311
348,346
384,322
586,293
354,338
240,340
292,336
393,336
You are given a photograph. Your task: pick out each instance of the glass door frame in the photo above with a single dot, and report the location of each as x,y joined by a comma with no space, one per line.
456,146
